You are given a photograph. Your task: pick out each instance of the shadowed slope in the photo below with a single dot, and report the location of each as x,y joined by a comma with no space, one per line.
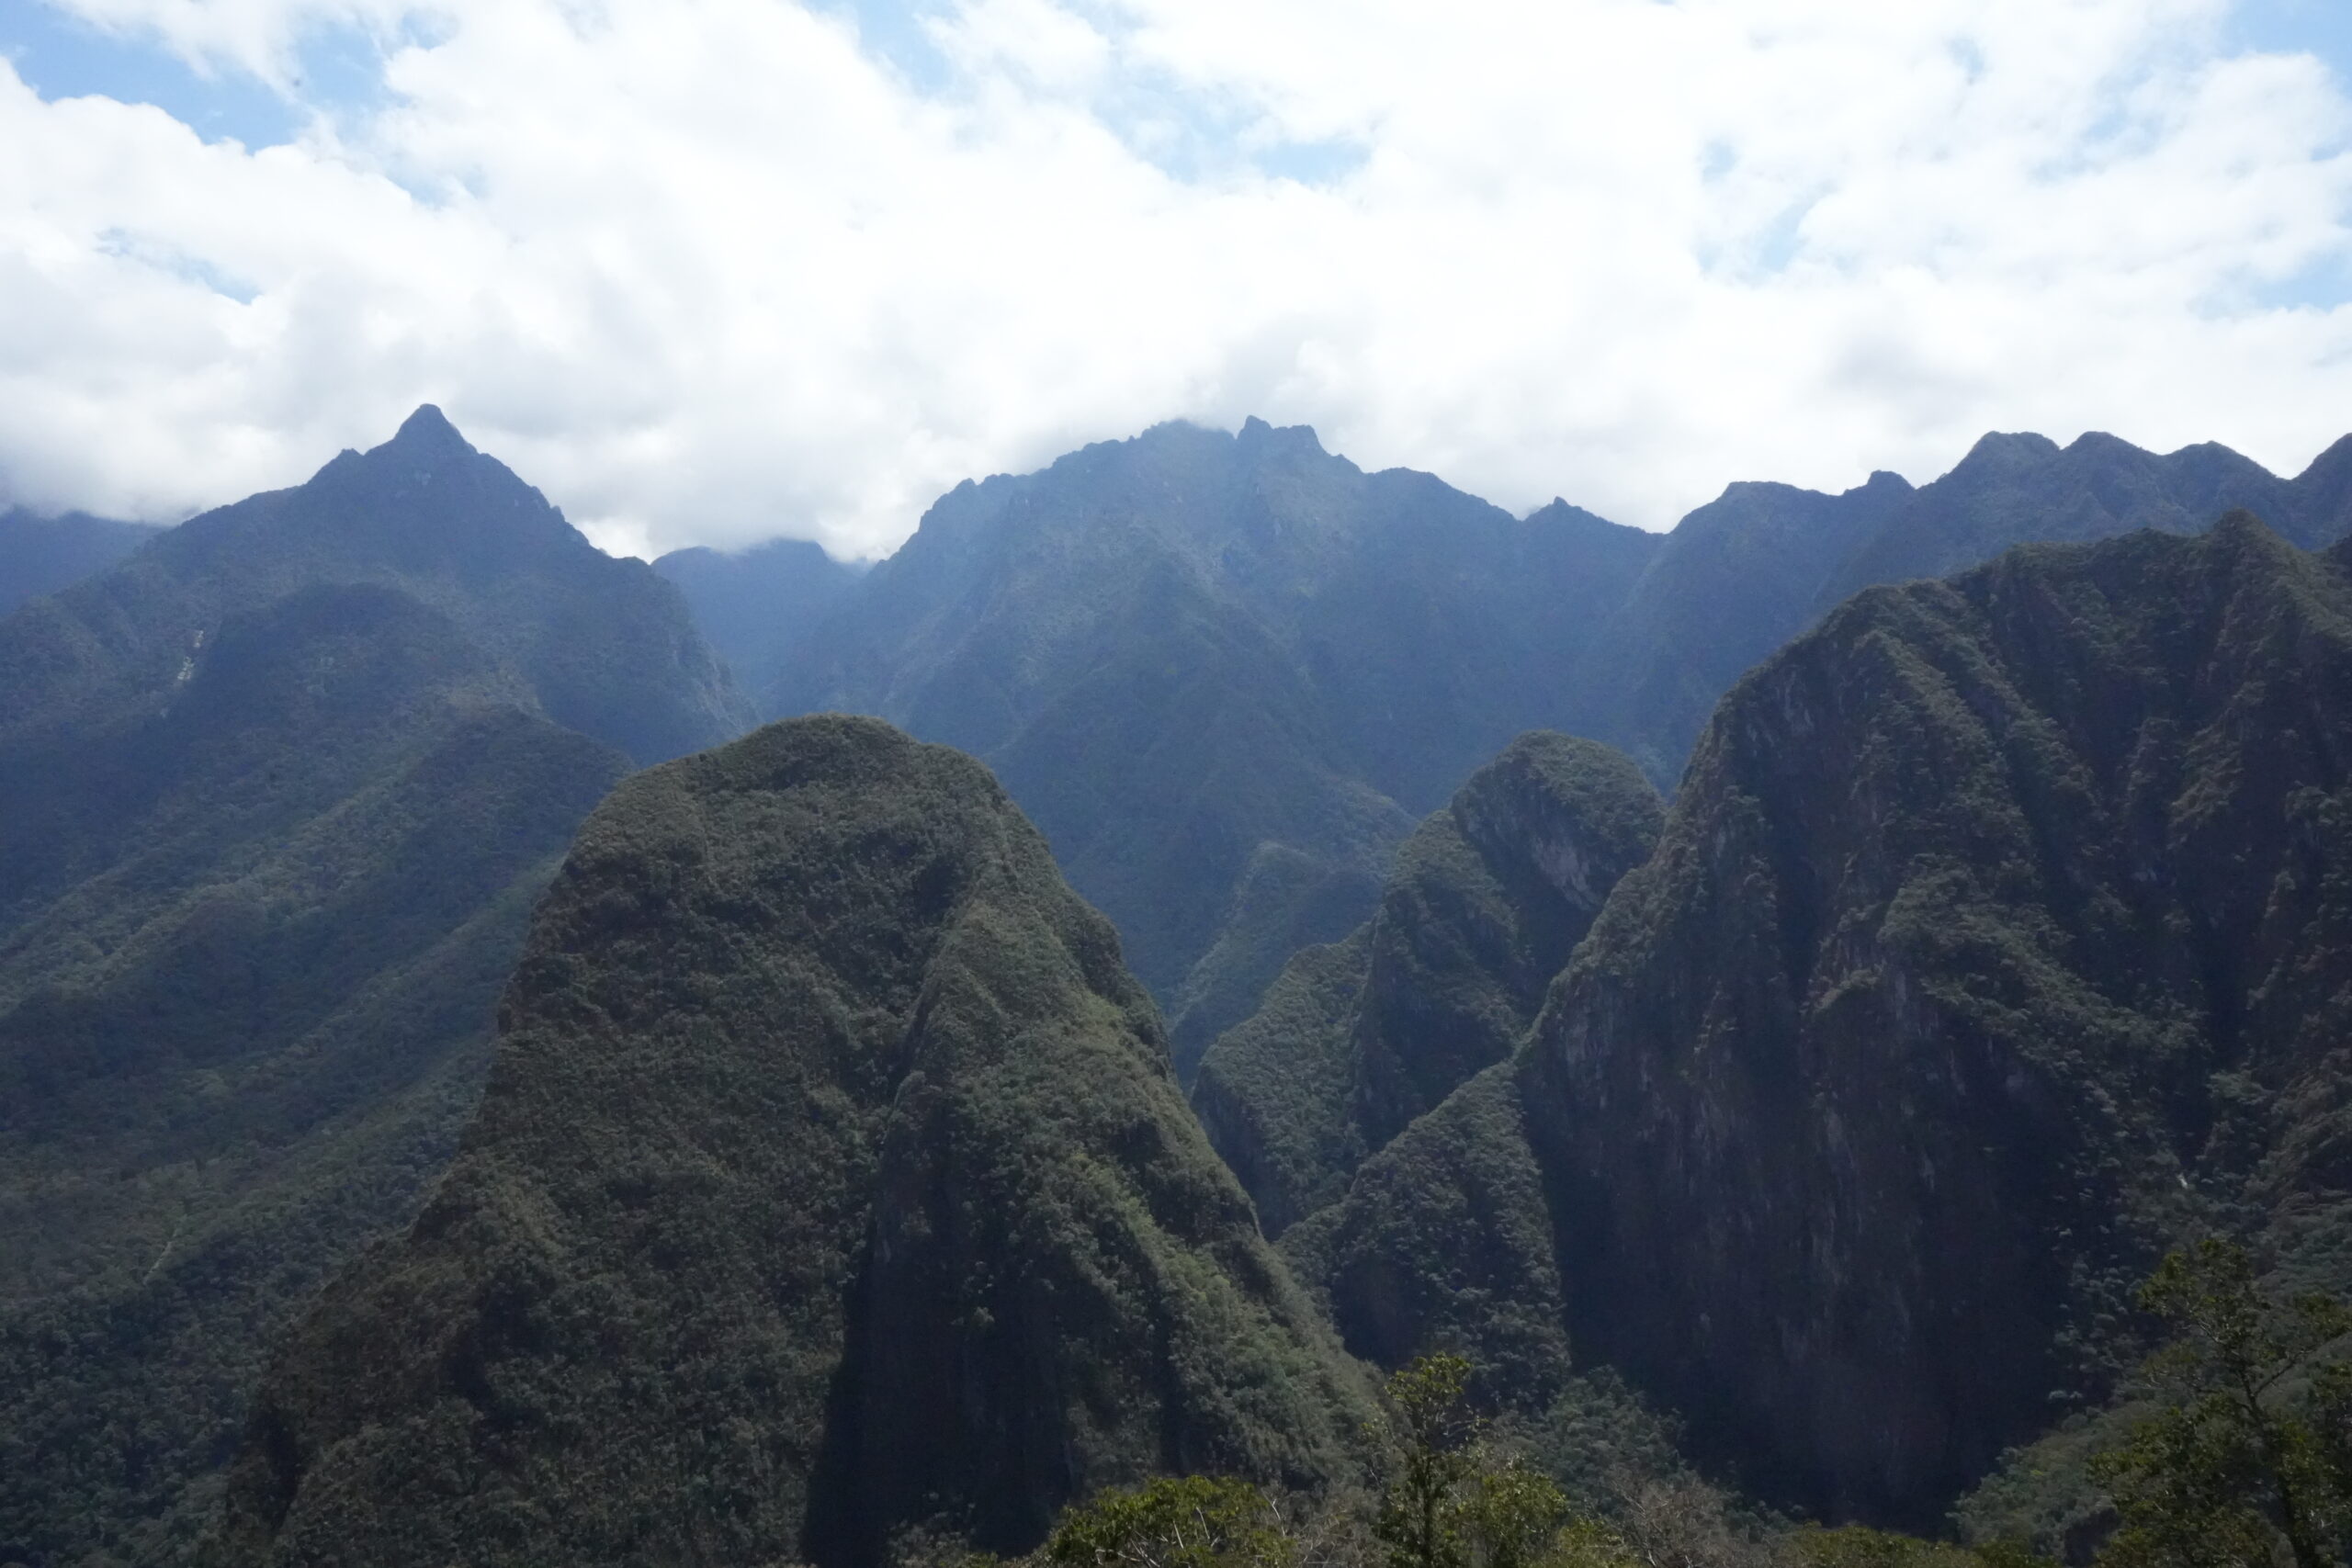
242,1045
755,606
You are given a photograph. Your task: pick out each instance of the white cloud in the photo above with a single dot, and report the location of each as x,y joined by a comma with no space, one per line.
708,270
261,37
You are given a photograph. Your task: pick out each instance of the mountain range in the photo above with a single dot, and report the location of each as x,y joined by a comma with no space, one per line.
831,1180
426,1136
1227,673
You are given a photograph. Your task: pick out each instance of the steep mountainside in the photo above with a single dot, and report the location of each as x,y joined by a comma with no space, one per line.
277,795
1220,671
831,1179
40,554
1995,938
1488,897
754,606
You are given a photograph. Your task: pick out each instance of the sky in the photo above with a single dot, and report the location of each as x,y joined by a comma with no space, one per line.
713,271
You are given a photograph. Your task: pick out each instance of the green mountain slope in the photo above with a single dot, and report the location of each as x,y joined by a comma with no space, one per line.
1991,943
1485,902
830,1180
276,796
1734,581
2015,488
1221,673
40,554
1741,576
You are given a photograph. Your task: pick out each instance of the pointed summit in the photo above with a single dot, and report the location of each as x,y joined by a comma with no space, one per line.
429,430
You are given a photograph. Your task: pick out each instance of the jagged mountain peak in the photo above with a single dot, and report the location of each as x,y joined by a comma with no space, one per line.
1256,434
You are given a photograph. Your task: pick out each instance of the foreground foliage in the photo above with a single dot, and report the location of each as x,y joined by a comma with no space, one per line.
2247,1457
1450,1493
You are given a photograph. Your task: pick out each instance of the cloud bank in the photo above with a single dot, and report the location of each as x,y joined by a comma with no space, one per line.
716,270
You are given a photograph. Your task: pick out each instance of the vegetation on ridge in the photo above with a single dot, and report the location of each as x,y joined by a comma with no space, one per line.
830,1183
1485,902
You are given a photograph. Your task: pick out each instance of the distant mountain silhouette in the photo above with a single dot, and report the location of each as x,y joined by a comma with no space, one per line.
40,554
1222,673
754,606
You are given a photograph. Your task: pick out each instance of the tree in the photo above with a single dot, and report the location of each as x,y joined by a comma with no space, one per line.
1176,1521
1452,1502
2245,1461
1429,1435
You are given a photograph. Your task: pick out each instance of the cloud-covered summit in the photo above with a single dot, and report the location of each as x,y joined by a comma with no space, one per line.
711,270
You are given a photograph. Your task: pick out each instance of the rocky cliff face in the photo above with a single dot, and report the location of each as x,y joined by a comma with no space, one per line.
1898,1062
1225,673
832,1179
1992,941
1488,897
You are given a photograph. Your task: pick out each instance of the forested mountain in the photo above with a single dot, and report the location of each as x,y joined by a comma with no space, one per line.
277,795
755,606
1995,940
1225,673
832,1179
40,554
1222,673
1488,897
834,1183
